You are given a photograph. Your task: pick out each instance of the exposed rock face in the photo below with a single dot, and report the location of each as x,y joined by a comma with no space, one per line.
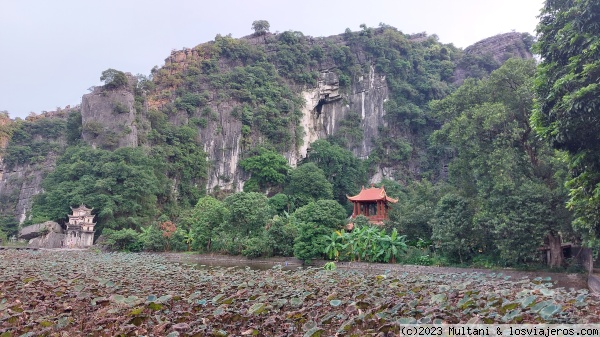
44,235
33,231
222,141
50,240
108,118
19,185
326,106
502,47
496,50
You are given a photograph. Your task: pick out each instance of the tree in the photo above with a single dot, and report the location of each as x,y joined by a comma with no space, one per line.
260,27
508,176
568,104
114,79
204,220
125,239
452,227
327,213
281,203
122,186
412,214
244,227
308,183
281,232
316,221
248,212
268,168
345,172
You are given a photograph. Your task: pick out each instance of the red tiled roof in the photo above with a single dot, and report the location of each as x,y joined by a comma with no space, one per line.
372,194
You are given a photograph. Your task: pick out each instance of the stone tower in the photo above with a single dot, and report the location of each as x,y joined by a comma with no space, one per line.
80,229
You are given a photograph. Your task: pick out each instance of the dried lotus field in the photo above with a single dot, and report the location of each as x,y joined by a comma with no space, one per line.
84,293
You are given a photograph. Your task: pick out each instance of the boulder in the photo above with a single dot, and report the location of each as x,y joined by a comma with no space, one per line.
50,240
33,231
594,283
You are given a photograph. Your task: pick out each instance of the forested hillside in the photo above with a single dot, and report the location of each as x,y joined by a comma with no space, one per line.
251,146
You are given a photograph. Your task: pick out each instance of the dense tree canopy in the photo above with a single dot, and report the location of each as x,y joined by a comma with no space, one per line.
248,212
345,172
507,175
308,183
268,168
122,186
568,91
316,221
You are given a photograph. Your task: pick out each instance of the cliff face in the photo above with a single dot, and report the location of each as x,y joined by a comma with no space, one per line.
223,144
327,106
108,118
339,95
20,184
504,46
490,53
29,156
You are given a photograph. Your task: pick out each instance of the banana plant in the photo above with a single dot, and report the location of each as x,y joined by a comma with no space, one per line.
189,238
333,245
350,244
398,245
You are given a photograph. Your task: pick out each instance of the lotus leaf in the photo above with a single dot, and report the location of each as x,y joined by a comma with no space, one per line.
314,332
407,320
539,306
335,303
547,312
257,308
438,298
234,301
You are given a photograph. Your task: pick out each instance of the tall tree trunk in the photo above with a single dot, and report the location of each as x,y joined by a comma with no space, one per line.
556,256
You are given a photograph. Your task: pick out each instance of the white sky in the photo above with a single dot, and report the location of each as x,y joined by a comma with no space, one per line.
51,52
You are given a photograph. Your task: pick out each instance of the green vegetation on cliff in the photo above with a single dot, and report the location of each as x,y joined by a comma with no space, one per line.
461,155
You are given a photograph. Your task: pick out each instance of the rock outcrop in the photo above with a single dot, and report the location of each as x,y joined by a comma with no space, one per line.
34,231
50,240
503,46
21,181
44,235
19,184
108,118
327,106
490,53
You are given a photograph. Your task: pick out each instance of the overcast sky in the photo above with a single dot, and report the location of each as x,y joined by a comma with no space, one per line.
51,52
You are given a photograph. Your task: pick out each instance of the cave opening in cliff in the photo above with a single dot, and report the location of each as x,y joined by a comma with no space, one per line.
319,106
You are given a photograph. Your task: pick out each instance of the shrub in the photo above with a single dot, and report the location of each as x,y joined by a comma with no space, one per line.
120,108
124,239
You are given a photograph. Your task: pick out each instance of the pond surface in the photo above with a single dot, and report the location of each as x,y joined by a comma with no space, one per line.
255,265
565,280
202,261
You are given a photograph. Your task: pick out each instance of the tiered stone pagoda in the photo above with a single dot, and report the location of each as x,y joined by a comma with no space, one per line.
373,203
80,229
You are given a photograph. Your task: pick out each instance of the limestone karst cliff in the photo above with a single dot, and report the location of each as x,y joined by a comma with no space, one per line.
366,90
108,118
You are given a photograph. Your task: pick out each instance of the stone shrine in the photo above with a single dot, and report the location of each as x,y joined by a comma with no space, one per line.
80,228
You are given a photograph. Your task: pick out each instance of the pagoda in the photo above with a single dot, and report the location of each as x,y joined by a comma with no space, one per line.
80,228
373,203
